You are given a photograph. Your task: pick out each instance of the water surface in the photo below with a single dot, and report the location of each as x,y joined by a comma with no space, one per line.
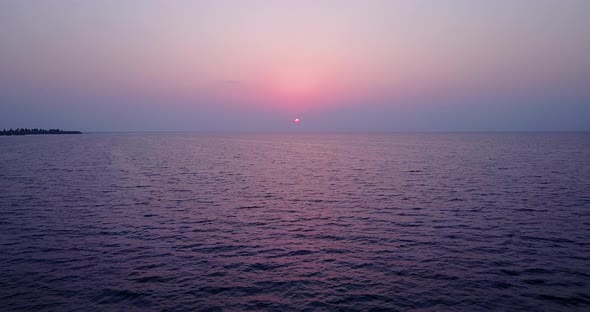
464,222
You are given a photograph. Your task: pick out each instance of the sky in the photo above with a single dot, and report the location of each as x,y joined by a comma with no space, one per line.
257,65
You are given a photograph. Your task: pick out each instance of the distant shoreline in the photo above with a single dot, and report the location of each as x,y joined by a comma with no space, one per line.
26,131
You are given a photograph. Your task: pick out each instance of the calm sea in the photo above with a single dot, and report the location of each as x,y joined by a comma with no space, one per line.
181,222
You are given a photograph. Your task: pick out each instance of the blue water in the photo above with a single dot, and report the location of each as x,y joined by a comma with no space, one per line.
180,222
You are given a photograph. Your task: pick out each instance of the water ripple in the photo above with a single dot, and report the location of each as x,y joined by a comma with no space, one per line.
177,222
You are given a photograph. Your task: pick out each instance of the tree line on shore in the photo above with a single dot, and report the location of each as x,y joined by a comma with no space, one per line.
25,131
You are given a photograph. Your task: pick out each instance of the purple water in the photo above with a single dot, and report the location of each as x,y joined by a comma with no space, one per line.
180,222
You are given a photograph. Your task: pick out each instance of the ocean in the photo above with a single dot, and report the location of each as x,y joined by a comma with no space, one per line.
295,222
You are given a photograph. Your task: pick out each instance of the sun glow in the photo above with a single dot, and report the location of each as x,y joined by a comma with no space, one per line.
299,90
297,84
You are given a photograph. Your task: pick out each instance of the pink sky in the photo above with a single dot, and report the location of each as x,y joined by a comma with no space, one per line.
257,65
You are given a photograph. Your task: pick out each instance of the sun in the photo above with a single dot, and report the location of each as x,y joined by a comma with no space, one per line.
297,121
